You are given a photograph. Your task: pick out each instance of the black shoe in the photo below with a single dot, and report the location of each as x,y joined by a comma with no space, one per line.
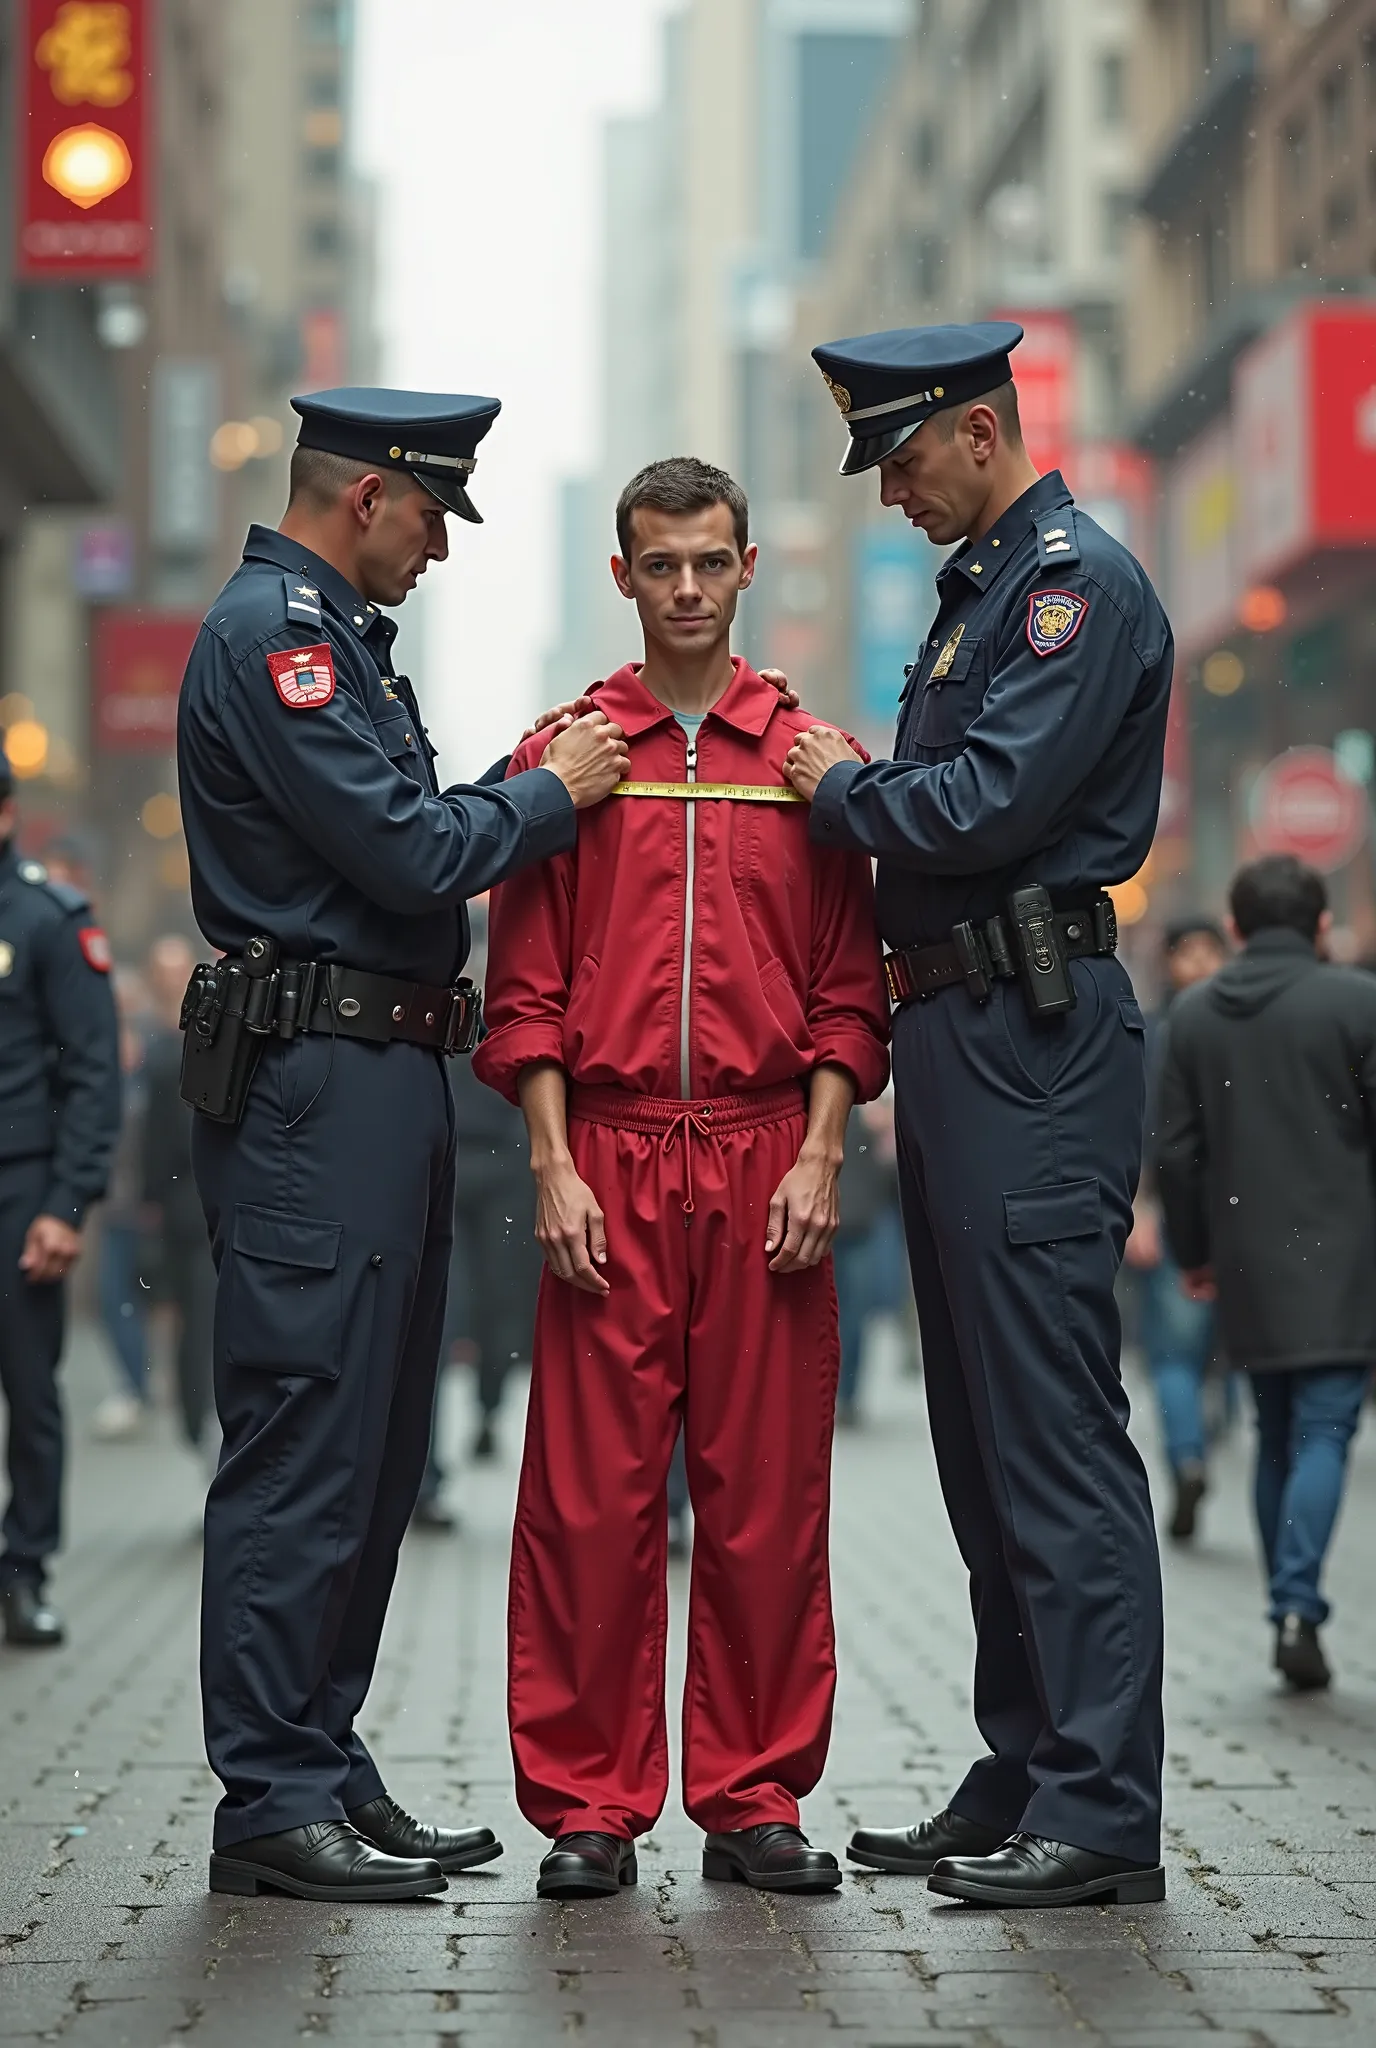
1191,1485
389,1828
485,1442
586,1866
916,1851
1299,1655
1028,1871
678,1538
326,1859
30,1624
430,1513
773,1857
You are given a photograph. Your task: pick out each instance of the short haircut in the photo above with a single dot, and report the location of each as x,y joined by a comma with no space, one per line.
1277,892
1002,401
320,479
1198,927
681,484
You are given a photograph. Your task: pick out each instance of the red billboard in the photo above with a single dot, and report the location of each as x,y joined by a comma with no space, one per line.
139,660
84,129
1305,408
1044,372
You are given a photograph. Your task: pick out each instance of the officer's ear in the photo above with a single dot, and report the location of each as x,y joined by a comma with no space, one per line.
982,425
366,497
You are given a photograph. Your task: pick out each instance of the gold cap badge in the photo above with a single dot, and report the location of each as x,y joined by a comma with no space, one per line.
838,392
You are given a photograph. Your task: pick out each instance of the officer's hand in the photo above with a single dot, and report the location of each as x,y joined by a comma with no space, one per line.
781,684
1143,1250
805,1213
50,1247
561,715
812,753
570,1227
589,757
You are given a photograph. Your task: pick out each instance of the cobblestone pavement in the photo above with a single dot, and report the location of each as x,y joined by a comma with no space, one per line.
107,1935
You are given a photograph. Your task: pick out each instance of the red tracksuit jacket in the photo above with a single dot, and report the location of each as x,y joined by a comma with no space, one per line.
688,949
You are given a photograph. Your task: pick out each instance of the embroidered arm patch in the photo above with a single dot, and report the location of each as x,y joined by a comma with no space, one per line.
1054,617
303,677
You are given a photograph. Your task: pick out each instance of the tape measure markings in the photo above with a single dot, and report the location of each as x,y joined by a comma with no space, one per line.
735,792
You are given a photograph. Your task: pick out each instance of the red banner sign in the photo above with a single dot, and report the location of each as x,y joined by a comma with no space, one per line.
140,658
1304,804
86,173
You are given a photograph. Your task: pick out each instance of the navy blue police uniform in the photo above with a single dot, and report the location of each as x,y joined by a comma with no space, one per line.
1030,743
59,1120
313,818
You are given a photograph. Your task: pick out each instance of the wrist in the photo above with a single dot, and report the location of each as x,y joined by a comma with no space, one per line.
549,1158
818,1151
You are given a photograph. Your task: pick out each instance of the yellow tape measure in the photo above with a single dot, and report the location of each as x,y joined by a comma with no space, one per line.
733,792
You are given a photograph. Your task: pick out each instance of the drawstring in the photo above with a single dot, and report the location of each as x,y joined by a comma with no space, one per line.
688,1120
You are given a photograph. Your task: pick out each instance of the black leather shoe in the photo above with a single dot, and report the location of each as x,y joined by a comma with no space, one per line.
1028,1871
773,1857
326,1859
485,1442
916,1851
1299,1655
432,1516
1191,1485
30,1624
390,1828
587,1866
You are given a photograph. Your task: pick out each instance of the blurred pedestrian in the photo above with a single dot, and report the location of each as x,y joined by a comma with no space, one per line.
183,1269
862,1251
1266,1168
59,1119
123,1299
496,1259
1177,1331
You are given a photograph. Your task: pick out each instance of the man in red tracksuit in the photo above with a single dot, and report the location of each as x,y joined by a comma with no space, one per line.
686,1007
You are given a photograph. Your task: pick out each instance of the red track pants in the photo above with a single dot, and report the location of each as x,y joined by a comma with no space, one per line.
695,1327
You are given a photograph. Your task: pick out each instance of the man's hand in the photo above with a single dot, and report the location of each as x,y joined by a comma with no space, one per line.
1199,1284
589,757
561,715
1143,1251
50,1248
780,682
805,1211
569,1226
812,753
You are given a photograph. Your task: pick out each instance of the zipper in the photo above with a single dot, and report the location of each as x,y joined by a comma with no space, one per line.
691,823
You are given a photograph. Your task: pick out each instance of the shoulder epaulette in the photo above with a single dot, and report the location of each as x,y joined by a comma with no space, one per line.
303,601
62,893
1058,545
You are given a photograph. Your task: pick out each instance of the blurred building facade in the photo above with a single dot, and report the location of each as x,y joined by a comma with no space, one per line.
168,390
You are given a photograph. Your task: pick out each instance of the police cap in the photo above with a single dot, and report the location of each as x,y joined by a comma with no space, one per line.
432,434
887,384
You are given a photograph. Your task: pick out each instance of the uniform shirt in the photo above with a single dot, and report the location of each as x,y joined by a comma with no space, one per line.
59,1043
309,797
1031,733
688,948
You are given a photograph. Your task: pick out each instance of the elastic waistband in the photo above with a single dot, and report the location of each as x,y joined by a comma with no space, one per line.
656,1115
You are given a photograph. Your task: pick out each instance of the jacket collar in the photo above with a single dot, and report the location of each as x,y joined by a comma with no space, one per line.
747,703
265,544
983,562
1278,938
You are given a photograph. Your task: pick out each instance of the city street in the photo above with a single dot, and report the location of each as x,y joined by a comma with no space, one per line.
107,1935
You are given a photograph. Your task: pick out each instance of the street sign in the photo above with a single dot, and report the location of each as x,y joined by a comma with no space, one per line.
1302,803
139,659
894,598
86,172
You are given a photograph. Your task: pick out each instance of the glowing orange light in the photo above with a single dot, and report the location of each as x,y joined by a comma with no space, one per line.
87,164
1262,608
26,743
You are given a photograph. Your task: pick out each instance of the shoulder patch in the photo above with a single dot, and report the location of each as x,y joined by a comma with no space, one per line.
95,948
303,676
303,600
1054,617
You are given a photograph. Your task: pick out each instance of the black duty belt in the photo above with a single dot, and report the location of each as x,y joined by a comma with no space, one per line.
375,1007
980,953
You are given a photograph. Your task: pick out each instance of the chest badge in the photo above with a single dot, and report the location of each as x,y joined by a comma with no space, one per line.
941,668
6,958
1054,617
303,677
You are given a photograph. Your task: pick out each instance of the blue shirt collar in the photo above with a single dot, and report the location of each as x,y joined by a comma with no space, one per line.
982,562
265,544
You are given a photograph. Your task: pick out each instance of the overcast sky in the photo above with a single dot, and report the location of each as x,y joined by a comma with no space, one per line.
480,121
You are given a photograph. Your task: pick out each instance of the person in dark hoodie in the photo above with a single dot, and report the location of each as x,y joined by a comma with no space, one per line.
1266,1170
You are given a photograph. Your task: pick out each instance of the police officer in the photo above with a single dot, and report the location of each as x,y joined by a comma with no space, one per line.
1027,776
331,871
59,1119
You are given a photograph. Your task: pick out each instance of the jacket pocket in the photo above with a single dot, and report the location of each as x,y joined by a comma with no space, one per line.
1130,1010
402,743
284,1311
949,706
1044,1215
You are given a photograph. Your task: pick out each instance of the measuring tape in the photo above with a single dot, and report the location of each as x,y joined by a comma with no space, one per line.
733,792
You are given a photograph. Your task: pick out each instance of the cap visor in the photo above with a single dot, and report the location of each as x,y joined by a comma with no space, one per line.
450,493
866,450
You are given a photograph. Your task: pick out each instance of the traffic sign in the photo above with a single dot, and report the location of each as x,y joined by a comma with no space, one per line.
1302,803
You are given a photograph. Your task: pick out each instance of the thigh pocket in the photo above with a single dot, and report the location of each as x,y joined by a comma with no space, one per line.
1045,1215
284,1311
